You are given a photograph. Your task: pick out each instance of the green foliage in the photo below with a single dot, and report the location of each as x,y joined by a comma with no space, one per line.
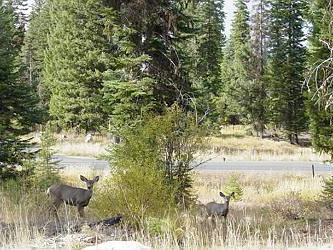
35,45
45,173
205,50
233,185
77,55
286,67
321,128
156,76
127,96
320,15
235,69
319,81
256,101
327,192
152,168
137,192
167,141
14,188
165,226
18,112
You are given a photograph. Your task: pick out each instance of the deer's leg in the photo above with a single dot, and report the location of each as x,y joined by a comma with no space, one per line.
225,228
54,207
81,211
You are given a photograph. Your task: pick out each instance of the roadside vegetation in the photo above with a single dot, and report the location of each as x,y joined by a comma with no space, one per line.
232,142
162,79
275,211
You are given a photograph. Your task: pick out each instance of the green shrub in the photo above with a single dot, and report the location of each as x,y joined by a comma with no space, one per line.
157,226
233,185
45,173
152,167
135,193
327,193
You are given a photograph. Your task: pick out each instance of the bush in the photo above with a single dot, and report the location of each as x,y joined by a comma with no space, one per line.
135,194
292,206
152,168
45,173
156,226
233,185
327,193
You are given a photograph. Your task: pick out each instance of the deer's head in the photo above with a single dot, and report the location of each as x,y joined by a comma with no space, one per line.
90,183
226,198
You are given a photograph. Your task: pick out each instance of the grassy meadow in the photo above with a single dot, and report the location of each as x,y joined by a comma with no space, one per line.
233,142
272,210
276,211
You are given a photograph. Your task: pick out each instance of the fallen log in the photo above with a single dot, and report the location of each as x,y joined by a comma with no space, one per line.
107,222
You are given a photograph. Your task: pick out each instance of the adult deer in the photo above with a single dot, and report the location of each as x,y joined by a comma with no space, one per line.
219,209
79,197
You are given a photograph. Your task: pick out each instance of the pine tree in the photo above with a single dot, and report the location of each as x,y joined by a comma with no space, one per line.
258,64
151,68
46,172
160,29
287,65
208,43
76,57
320,61
18,112
35,45
235,68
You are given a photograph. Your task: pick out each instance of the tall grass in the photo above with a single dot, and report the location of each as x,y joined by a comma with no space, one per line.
233,143
236,143
261,220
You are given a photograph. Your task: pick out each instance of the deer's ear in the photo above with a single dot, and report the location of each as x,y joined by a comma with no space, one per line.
96,179
222,194
83,178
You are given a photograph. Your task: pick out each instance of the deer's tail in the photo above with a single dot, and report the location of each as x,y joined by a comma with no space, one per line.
47,191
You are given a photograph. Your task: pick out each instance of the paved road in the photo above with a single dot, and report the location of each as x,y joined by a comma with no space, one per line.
66,161
213,165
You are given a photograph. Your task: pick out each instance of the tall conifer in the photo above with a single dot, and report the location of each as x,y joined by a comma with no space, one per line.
76,57
207,55
258,63
18,113
235,68
320,82
287,65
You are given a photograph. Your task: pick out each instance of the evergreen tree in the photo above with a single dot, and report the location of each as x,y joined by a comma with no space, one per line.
235,68
287,64
46,172
208,43
148,42
160,30
319,82
35,45
77,55
18,112
127,87
258,63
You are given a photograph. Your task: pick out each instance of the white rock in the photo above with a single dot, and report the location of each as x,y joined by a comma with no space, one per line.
118,245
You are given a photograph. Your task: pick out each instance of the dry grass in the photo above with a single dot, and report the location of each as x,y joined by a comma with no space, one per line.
259,221
258,187
80,149
235,143
74,144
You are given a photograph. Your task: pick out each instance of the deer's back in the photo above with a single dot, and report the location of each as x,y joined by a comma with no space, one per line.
70,195
214,208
